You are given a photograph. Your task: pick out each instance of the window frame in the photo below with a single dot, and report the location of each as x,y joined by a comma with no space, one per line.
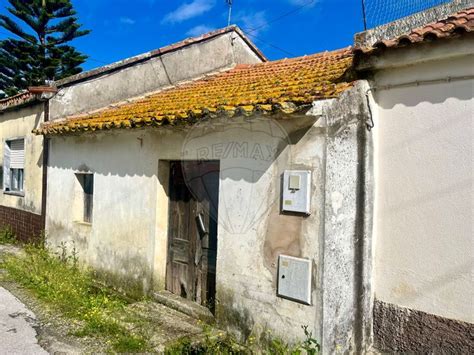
7,190
87,190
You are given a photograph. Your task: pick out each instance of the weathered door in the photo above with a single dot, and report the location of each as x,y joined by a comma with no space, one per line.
192,251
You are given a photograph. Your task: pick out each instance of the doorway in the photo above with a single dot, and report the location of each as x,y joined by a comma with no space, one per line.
192,233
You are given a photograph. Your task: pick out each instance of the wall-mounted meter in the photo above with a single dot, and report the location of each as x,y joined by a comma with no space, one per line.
296,192
294,279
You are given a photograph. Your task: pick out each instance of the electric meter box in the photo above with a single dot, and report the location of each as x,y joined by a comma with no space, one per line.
294,279
296,192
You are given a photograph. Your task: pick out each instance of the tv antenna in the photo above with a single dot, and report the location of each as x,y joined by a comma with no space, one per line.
229,3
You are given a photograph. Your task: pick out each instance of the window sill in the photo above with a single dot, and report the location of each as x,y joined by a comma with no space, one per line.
87,224
15,193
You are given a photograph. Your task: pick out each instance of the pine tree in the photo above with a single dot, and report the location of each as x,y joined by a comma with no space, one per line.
41,52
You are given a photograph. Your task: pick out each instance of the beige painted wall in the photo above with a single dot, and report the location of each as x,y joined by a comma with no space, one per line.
424,214
19,124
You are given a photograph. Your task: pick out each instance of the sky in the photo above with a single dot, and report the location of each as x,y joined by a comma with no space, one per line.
280,28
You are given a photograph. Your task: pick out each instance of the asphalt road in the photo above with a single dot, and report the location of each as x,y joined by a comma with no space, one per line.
17,332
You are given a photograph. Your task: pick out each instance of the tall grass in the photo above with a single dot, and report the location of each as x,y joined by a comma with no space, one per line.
57,280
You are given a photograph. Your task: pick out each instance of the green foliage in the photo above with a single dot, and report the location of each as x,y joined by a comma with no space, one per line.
310,345
223,343
57,280
6,235
38,50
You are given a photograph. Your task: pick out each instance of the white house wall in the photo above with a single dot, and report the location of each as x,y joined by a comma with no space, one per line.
424,193
121,239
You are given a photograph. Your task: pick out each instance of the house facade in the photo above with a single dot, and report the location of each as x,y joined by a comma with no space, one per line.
201,167
423,87
21,173
332,191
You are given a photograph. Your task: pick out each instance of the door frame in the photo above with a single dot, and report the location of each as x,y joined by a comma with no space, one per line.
169,244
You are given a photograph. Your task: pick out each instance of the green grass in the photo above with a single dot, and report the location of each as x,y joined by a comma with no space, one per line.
225,344
6,235
59,282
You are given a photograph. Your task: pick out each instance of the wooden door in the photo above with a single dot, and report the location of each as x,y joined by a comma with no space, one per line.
192,252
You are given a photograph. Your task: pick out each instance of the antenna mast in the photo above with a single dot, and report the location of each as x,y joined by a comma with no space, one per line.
229,2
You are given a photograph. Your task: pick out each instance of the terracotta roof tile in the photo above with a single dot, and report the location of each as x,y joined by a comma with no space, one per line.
16,100
279,86
452,26
31,95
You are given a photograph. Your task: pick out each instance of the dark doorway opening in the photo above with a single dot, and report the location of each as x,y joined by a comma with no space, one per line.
192,234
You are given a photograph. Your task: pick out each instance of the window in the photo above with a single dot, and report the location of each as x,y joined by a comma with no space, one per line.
14,165
86,182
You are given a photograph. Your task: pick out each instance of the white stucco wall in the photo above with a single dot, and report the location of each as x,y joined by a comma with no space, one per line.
424,189
18,124
128,234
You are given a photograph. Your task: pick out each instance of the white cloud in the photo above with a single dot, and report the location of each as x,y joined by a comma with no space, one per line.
127,21
189,10
252,22
199,30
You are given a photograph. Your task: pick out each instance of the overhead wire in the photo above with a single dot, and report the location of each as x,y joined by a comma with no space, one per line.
249,31
270,44
278,18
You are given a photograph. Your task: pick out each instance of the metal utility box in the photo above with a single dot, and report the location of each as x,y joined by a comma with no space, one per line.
296,191
294,279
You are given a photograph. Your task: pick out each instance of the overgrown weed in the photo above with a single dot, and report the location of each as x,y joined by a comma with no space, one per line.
56,279
6,235
215,342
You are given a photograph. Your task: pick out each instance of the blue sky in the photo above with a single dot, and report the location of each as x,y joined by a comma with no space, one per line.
123,28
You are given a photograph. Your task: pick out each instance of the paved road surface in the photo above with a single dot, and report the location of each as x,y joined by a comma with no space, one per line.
17,335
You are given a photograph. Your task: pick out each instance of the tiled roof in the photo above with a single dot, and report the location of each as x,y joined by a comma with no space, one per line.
283,86
33,94
452,26
16,100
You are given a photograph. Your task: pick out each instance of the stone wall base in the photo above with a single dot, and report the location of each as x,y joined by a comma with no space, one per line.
398,329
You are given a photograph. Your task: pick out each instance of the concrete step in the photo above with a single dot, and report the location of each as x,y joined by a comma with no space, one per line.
183,305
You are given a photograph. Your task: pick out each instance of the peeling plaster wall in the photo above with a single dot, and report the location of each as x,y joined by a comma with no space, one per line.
347,250
138,79
128,239
19,124
424,194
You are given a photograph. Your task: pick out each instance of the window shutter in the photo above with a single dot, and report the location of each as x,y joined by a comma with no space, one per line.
17,154
6,167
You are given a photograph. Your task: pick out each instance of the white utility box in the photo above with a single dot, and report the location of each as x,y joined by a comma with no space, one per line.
294,279
296,192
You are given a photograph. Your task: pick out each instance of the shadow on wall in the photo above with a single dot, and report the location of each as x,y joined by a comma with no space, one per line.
431,93
36,109
248,147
